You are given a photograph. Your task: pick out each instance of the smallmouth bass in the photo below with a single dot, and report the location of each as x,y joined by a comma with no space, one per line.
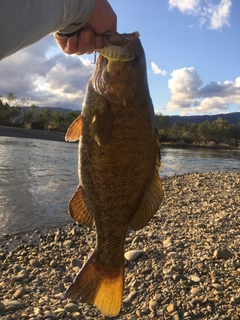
119,159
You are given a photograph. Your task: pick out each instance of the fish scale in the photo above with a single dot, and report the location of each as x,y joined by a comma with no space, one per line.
119,158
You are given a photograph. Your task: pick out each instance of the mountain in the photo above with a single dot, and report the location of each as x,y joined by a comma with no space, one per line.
232,118
39,109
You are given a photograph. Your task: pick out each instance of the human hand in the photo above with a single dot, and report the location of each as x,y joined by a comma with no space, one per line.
89,38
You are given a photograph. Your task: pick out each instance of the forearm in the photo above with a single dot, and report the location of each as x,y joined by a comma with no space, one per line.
25,22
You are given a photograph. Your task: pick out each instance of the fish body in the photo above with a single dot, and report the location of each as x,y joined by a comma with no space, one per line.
119,159
116,53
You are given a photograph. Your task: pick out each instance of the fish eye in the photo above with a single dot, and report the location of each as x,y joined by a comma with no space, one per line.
136,59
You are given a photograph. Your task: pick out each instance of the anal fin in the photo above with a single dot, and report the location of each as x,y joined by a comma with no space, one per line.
149,204
78,209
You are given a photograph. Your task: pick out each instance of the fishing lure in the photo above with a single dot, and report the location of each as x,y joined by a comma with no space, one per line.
116,53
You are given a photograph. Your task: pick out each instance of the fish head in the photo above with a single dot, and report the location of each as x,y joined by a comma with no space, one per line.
120,81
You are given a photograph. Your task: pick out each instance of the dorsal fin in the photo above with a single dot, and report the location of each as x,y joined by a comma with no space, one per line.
74,132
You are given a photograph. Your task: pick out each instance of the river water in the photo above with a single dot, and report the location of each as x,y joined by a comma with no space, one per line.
38,178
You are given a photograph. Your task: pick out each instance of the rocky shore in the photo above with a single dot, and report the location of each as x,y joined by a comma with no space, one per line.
185,264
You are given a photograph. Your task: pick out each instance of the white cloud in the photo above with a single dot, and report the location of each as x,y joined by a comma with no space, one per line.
189,96
215,16
185,6
219,14
157,70
46,76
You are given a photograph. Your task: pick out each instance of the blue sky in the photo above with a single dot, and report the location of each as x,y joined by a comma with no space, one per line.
192,49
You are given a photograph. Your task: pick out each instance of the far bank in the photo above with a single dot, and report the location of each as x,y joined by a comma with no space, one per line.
60,136
31,134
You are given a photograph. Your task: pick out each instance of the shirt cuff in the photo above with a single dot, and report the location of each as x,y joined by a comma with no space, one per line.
85,9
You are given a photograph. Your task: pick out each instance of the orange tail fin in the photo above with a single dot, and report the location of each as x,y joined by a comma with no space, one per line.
98,286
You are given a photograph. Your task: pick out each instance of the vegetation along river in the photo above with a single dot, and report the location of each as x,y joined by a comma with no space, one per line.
38,178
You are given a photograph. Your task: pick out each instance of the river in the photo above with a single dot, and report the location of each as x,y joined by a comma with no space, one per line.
38,178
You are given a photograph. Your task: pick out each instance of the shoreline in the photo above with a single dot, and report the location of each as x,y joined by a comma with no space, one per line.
60,136
16,132
189,266
200,146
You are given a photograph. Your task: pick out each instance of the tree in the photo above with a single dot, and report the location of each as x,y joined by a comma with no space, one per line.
29,117
162,122
70,117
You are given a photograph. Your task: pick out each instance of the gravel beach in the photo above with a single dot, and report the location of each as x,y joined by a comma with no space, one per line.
185,264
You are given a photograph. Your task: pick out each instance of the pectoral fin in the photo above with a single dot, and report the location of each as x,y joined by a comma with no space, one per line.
74,132
102,126
149,204
78,209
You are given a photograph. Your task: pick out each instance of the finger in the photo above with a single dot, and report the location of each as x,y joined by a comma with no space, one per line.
62,42
86,41
98,42
72,45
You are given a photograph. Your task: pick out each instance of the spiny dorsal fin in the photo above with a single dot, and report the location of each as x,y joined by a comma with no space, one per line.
74,132
149,204
78,209
102,126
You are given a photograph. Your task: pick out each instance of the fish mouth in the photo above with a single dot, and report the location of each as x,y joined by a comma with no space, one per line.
108,80
116,80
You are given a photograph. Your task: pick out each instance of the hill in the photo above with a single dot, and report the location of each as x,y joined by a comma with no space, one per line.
232,118
39,109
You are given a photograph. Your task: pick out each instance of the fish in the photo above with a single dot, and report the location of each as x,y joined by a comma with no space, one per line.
119,163
116,53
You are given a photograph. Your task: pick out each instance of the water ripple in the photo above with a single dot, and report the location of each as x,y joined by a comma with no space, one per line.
38,177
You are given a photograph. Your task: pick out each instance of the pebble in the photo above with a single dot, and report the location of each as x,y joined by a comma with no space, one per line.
133,317
167,242
235,300
195,279
171,308
13,305
184,264
217,286
49,316
76,263
133,255
222,254
2,306
20,292
68,243
152,305
35,263
53,263
71,307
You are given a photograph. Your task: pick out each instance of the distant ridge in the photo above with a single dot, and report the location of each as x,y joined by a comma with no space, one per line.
232,118
58,110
